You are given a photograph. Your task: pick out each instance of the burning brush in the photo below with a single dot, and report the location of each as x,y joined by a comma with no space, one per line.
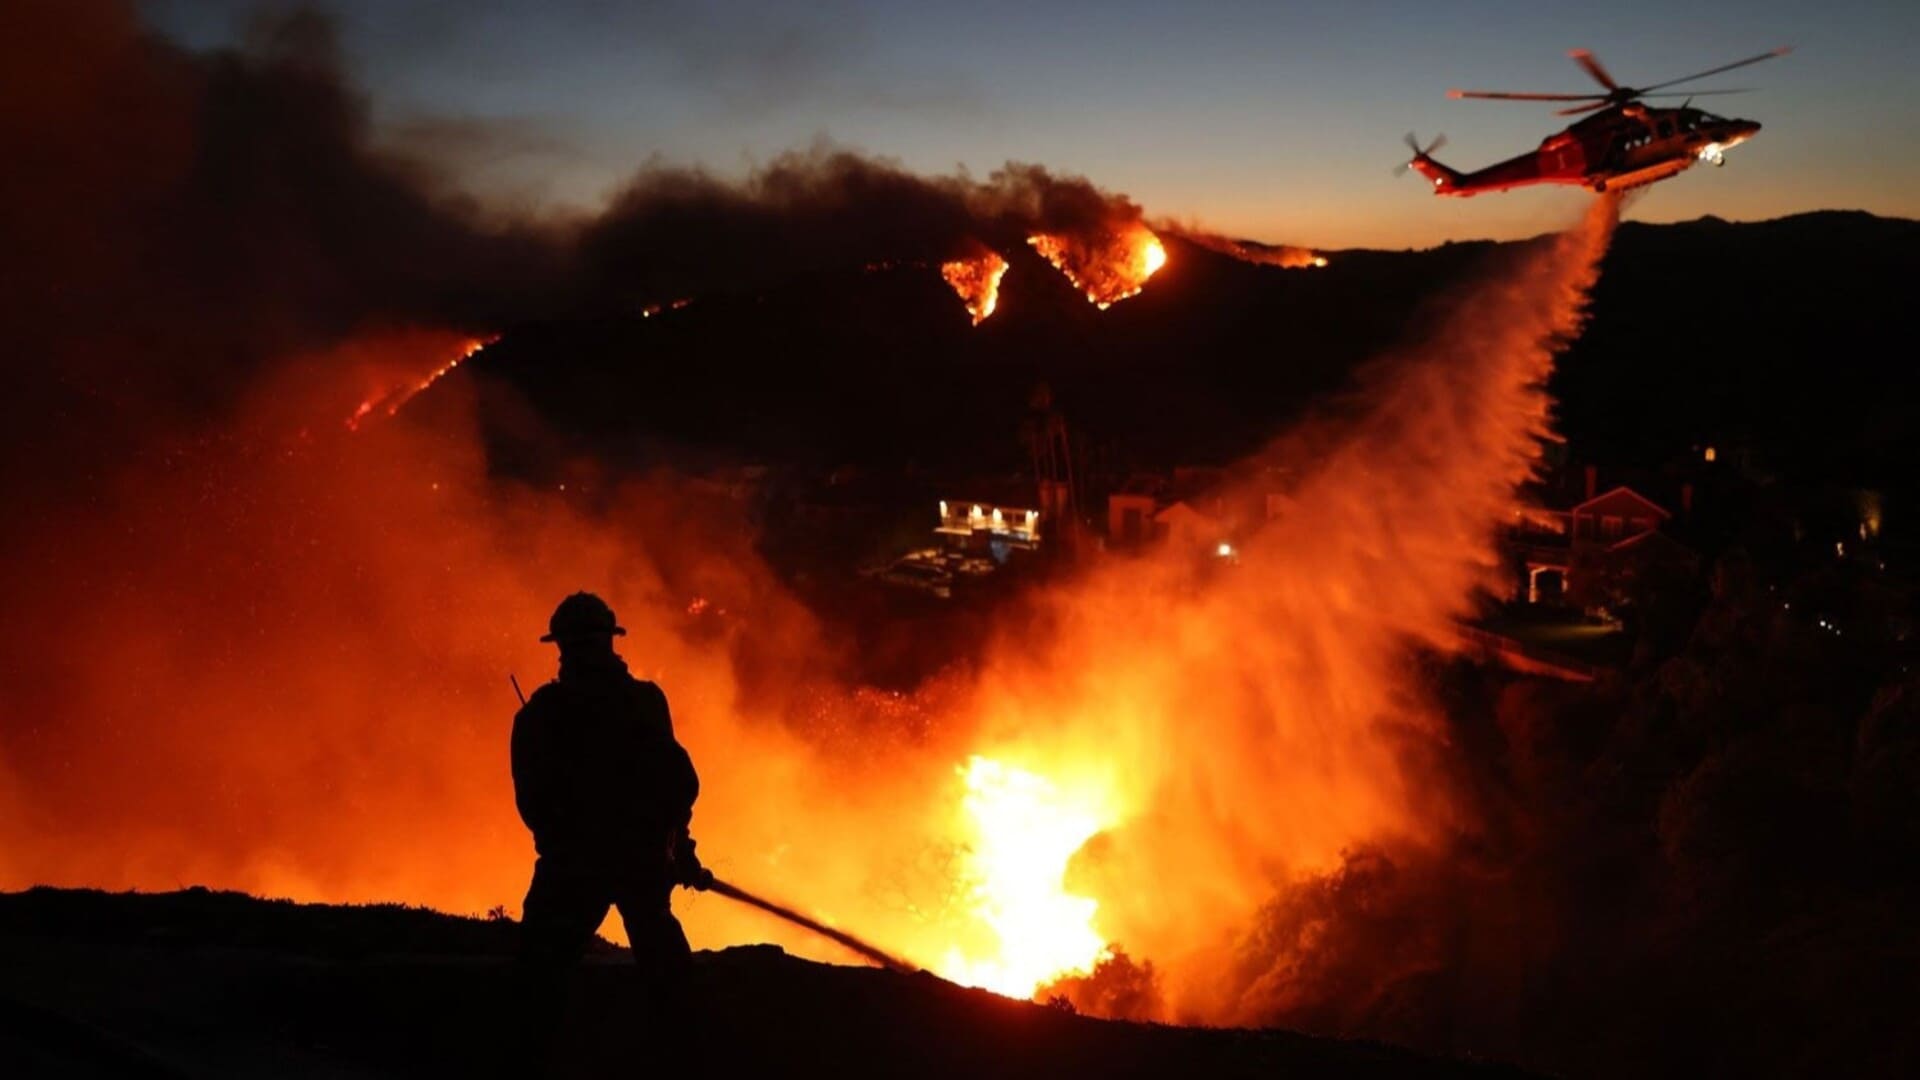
977,281
1108,267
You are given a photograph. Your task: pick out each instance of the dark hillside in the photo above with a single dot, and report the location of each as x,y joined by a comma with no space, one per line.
1788,339
1785,340
217,984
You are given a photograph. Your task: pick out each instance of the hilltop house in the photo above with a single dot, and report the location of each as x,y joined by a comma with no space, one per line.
1587,554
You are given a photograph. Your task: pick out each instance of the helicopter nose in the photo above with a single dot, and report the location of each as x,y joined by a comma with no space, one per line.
1740,131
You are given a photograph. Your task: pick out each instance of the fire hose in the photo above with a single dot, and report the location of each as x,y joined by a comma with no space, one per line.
841,937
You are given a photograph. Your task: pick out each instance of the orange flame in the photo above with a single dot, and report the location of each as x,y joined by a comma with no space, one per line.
395,398
1109,268
1023,831
977,281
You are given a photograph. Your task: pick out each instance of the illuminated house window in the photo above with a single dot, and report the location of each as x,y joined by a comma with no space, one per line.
1019,527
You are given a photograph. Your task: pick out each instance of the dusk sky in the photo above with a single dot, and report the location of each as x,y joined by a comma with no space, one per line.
1280,122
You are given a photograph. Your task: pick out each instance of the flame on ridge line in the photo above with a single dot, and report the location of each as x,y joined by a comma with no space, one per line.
394,399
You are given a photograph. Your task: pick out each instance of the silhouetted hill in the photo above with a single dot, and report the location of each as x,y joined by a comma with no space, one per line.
197,983
1785,337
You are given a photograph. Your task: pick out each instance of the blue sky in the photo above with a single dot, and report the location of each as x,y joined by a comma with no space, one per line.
1279,121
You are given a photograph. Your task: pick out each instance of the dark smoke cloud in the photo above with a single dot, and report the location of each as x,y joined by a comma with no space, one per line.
677,231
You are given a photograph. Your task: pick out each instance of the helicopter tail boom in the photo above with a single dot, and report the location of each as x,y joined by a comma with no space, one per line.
1422,162
1444,179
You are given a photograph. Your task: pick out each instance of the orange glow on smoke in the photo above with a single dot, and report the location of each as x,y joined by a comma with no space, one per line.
977,281
393,399
294,682
1109,268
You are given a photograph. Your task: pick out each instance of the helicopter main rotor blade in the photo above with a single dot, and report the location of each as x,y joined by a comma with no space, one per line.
1699,93
1500,95
1592,67
1781,51
1578,109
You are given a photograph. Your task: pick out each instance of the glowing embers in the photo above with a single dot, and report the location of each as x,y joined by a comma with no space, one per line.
651,310
977,281
1021,831
1107,267
399,396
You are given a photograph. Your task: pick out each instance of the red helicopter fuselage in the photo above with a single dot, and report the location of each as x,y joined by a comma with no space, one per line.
1620,148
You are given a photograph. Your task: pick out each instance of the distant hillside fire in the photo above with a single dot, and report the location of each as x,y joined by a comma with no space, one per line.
977,282
1108,267
393,399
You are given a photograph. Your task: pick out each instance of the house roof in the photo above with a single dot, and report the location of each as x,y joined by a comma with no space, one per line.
1622,501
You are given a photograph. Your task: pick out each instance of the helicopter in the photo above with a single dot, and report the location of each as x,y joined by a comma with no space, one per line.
1624,144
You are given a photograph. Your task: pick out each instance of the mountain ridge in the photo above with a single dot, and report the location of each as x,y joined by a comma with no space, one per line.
1216,356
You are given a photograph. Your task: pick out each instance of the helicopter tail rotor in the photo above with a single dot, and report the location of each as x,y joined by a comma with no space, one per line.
1419,154
1444,180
